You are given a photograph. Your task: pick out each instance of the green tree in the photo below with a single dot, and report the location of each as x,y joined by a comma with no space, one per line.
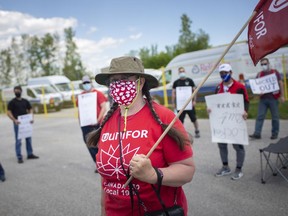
18,64
73,67
188,41
5,68
47,56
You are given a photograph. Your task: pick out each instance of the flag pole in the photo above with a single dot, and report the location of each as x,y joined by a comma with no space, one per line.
195,92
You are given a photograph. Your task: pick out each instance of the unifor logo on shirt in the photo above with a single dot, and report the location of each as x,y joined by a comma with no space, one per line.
135,134
113,166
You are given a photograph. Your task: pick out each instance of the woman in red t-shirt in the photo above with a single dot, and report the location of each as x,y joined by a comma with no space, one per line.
127,133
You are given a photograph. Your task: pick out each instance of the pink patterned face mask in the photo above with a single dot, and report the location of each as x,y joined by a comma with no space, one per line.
123,92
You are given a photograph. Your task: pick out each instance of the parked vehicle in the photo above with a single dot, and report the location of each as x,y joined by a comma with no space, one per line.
198,64
61,84
38,95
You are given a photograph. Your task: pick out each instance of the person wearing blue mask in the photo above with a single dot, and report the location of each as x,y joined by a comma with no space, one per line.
101,109
229,85
185,82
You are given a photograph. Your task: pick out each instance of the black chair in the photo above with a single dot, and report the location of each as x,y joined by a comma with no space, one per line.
276,158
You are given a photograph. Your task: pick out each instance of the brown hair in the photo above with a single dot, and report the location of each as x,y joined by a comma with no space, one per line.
178,136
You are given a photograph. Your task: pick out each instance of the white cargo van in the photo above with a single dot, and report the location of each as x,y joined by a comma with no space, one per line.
37,95
60,83
198,64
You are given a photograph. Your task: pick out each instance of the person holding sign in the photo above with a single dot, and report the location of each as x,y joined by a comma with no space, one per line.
127,133
92,107
269,101
181,91
229,85
18,107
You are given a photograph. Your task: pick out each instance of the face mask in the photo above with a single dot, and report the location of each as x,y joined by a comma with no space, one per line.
264,67
123,92
87,86
182,75
18,94
226,77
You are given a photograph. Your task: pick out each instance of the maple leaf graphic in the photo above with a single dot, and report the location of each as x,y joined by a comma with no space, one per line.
113,165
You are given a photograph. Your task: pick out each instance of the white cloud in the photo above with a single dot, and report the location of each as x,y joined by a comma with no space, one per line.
92,51
135,36
92,30
14,23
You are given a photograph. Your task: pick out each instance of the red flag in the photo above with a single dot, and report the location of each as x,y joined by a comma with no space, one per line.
268,30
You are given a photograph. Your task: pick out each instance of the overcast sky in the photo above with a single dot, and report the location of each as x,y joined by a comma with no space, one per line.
111,28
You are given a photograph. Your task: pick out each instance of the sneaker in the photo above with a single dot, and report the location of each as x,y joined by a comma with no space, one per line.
197,134
237,174
2,178
255,136
32,156
225,170
20,161
274,137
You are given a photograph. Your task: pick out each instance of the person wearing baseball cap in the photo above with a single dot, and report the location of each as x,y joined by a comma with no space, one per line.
100,109
129,130
230,85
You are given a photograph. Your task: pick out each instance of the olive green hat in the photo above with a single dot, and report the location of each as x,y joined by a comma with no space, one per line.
126,65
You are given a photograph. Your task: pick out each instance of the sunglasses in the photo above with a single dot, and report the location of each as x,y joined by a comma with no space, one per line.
264,64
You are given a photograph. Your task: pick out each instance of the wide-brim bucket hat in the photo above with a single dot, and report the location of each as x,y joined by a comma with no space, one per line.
126,65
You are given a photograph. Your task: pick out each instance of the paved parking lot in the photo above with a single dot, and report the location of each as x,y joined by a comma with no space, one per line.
63,182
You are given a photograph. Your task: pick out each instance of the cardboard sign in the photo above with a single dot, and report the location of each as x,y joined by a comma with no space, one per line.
226,118
25,128
264,84
182,95
87,108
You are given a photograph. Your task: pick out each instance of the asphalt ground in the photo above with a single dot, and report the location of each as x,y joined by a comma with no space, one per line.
62,182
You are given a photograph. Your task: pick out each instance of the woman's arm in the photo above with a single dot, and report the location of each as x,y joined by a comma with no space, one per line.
175,175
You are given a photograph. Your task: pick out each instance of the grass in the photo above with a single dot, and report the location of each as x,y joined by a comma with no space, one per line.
252,113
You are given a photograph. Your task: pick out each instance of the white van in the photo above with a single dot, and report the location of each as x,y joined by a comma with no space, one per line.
60,83
198,64
38,96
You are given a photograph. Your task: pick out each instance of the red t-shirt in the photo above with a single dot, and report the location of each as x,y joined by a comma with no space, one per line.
141,134
100,98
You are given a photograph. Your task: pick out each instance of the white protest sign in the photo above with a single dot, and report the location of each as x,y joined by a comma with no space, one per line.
182,95
226,121
25,127
87,108
264,84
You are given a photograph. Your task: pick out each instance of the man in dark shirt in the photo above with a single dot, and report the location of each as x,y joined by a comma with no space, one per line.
183,82
16,107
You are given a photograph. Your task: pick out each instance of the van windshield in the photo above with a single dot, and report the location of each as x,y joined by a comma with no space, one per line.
63,86
47,90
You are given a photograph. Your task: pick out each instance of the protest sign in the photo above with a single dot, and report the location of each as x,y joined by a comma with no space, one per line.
87,108
182,95
226,118
264,84
25,127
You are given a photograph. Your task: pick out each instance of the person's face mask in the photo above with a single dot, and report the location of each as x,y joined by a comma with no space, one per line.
182,75
123,92
87,86
226,77
18,94
265,67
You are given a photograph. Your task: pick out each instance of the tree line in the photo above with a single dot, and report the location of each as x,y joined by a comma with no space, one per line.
34,56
